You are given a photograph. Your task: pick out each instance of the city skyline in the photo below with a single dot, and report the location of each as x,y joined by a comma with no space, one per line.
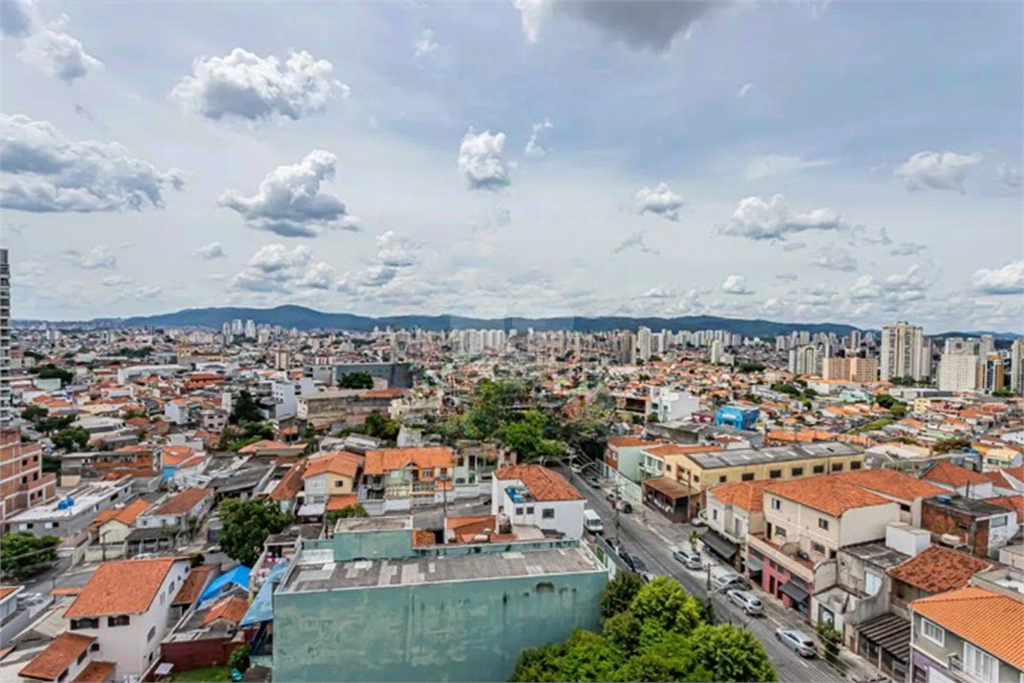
527,159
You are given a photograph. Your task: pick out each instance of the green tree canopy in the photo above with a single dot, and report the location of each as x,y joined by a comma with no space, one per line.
72,438
356,380
663,602
34,412
51,371
620,593
729,653
526,437
246,525
23,555
245,409
380,427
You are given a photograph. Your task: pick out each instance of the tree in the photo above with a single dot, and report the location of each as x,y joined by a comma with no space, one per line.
346,512
380,427
886,401
664,603
750,366
539,663
23,555
72,438
526,438
246,525
786,389
620,593
356,380
245,409
948,445
51,371
33,413
830,640
624,631
239,660
730,653
52,423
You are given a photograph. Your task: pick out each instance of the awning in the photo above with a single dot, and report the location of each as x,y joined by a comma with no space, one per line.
719,546
794,591
754,565
889,631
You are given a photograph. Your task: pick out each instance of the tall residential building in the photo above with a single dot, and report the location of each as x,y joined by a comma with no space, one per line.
643,343
970,346
905,352
803,360
1017,365
988,345
22,481
852,369
958,372
992,372
6,411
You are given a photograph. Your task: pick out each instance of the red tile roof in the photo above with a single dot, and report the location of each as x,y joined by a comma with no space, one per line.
676,449
991,621
628,442
231,608
339,462
938,569
828,495
544,484
96,672
193,585
60,654
290,484
126,515
891,483
182,502
389,459
953,475
748,495
340,502
121,587
1012,503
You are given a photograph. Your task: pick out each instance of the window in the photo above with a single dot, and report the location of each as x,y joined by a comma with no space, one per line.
980,665
837,467
95,647
818,469
721,479
548,513
63,677
997,521
78,624
818,548
696,479
152,632
339,482
443,471
428,472
822,523
855,465
747,476
779,531
872,583
933,632
776,504
904,507
797,471
774,474
519,511
119,620
81,657
714,514
529,510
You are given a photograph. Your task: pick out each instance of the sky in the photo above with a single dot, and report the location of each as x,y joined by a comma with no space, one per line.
852,162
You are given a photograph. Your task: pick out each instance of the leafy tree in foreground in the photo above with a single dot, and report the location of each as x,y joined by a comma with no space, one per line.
22,554
245,409
729,653
667,605
620,593
246,525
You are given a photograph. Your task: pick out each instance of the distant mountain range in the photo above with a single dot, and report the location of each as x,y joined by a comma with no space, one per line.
308,319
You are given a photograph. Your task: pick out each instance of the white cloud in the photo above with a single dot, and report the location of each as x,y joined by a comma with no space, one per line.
100,256
18,18
1010,178
650,26
834,257
896,289
395,251
480,160
744,89
255,88
115,281
1007,279
635,240
793,246
936,170
660,200
289,201
59,55
758,219
533,147
774,164
148,292
55,175
736,284
425,44
211,251
275,268
659,293
907,249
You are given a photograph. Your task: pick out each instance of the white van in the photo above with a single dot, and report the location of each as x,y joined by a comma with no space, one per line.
592,522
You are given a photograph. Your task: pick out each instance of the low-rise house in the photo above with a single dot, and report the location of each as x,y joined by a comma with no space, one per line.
184,510
71,516
936,570
23,484
113,526
960,480
622,458
119,618
733,511
906,490
69,657
208,634
326,476
396,479
807,522
531,495
979,525
970,634
193,586
286,490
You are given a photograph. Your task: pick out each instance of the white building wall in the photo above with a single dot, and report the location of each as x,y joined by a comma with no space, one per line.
861,525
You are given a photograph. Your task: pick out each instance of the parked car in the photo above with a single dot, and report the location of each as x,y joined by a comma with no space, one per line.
696,521
747,601
689,559
576,469
621,550
594,482
730,581
637,564
801,643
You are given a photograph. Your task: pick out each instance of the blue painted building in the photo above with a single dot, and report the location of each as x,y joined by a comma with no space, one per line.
737,418
369,605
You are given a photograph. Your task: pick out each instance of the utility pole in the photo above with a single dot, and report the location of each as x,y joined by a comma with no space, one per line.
618,508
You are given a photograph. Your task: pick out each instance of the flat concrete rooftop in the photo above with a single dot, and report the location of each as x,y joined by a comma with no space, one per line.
365,524
758,456
315,570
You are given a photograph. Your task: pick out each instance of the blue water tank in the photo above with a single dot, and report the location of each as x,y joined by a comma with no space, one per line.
66,503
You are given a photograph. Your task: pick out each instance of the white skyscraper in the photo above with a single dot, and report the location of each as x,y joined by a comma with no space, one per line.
643,343
903,352
958,372
1017,366
5,338
717,351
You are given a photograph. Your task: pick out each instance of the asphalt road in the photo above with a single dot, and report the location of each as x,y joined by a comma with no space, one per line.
657,553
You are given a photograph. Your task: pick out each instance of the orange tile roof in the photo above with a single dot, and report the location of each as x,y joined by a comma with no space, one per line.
676,449
121,587
421,538
96,672
339,462
891,483
7,590
383,393
829,496
61,653
544,484
1012,503
231,608
748,495
174,455
193,585
953,475
389,459
290,484
988,620
340,502
126,515
938,569
627,442
266,445
182,502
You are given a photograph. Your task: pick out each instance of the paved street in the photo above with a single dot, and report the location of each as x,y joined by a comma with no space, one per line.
655,541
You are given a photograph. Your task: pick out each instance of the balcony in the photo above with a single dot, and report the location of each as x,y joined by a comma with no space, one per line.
783,555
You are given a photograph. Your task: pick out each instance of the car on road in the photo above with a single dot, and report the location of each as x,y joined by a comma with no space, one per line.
636,563
594,482
592,522
689,559
621,550
798,641
730,581
576,469
746,601
697,521
213,549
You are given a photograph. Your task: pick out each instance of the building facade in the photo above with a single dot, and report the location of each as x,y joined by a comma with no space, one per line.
903,352
22,481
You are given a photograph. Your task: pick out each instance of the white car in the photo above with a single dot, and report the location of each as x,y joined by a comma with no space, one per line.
799,641
746,601
688,558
